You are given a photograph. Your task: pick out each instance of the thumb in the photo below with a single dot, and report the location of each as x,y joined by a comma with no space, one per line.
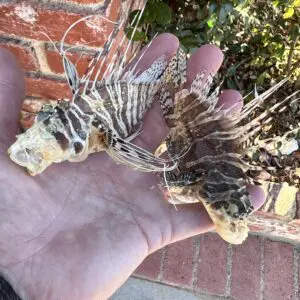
11,95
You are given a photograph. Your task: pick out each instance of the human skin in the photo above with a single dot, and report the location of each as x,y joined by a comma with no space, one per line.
79,230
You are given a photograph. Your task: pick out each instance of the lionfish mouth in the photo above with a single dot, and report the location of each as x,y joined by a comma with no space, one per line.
34,161
34,151
27,158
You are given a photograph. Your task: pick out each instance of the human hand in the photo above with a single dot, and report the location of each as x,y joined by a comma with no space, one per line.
78,230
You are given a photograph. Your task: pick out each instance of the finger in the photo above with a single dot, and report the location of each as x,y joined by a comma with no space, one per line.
233,99
230,99
164,45
155,129
207,58
257,196
11,95
189,220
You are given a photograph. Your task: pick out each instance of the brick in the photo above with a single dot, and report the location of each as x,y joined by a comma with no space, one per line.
279,273
246,264
276,227
81,60
150,267
26,119
34,105
295,223
178,265
47,88
24,55
29,21
268,216
212,267
256,228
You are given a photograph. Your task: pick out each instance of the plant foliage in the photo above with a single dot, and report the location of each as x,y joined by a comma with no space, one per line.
260,39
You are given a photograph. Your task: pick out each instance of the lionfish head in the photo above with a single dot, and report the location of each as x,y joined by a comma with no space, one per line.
228,215
226,199
51,139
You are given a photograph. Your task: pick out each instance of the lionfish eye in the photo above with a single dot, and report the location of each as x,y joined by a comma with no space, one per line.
43,115
78,147
101,128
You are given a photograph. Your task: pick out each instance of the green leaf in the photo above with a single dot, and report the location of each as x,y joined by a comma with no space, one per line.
224,12
280,50
212,7
137,36
133,18
163,13
235,49
149,15
231,70
278,38
190,41
288,13
231,84
211,22
262,77
295,31
228,7
184,33
202,37
222,15
200,14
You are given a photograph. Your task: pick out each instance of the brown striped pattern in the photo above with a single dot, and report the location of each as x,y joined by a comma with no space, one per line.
209,146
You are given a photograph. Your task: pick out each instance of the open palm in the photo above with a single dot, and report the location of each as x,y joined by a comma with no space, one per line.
78,230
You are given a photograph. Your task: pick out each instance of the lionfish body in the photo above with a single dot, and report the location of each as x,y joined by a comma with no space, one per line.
73,130
210,146
103,115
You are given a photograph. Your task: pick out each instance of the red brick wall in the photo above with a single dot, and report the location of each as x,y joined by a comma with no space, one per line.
21,27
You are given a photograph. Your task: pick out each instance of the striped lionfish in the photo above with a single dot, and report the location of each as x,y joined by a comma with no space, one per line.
215,146
103,114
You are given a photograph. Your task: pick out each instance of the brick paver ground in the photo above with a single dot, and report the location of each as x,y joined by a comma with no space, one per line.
259,269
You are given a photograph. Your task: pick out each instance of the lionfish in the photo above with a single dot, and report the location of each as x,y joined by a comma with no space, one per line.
214,148
103,115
